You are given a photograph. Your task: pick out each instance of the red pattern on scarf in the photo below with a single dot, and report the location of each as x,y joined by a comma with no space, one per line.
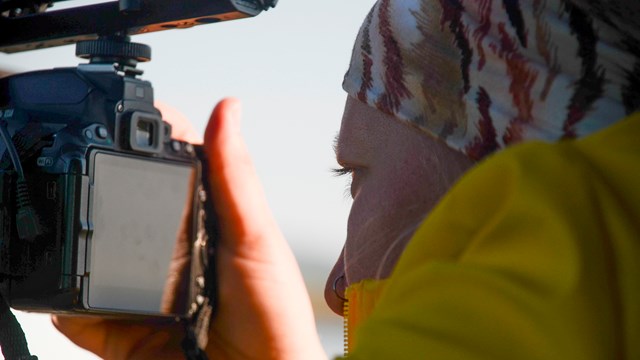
367,62
482,30
546,48
395,88
522,80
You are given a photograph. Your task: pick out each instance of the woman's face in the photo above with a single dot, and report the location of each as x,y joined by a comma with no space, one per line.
398,173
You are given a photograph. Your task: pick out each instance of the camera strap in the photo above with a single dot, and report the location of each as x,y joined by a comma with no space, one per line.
28,141
203,281
12,340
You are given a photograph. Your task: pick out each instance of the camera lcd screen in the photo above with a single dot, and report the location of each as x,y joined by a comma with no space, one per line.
136,209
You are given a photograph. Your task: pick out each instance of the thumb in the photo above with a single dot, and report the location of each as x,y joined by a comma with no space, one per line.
240,202
262,292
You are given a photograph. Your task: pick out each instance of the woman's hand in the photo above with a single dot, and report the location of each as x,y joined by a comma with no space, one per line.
264,310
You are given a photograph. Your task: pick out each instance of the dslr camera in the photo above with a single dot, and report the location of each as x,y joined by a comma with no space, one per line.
94,190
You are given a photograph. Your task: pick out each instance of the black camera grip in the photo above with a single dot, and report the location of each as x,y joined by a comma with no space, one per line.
204,283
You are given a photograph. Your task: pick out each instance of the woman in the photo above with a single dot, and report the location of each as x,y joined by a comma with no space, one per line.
531,254
480,76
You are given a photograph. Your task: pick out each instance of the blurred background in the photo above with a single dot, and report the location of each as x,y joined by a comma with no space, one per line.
286,65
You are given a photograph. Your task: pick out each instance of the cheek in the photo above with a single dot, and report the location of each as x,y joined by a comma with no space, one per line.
383,217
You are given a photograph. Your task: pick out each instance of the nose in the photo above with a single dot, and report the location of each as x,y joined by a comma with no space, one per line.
335,286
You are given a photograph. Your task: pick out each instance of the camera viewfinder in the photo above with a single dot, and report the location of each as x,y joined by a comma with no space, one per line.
146,132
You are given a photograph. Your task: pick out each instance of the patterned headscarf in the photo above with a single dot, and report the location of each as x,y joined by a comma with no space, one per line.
484,74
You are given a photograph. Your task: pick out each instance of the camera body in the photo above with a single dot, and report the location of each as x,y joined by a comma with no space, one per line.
107,185
99,204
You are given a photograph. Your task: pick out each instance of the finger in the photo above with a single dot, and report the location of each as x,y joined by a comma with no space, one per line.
239,199
181,127
261,290
88,333
122,339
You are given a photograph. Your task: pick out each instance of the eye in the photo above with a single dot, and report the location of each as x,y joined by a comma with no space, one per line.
347,171
342,171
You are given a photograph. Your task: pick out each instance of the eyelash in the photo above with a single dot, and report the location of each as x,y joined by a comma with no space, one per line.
342,171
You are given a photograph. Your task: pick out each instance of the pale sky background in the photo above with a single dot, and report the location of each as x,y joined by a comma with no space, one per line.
286,65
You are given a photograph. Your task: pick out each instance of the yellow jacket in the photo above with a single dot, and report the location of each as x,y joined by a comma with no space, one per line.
534,254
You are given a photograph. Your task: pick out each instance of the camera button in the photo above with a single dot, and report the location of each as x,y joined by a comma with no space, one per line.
200,281
176,146
88,134
189,148
199,299
102,132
